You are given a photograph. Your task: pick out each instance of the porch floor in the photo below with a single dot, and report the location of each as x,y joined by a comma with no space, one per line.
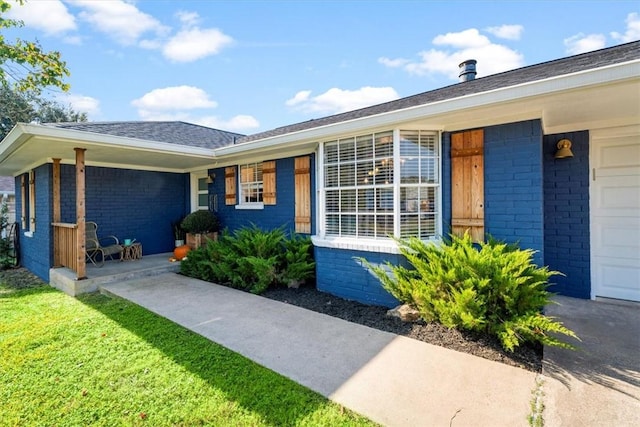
112,271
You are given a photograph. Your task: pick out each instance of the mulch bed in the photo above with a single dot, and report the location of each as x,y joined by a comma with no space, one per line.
526,356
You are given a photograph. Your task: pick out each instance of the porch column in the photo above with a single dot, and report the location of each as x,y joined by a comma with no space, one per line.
80,214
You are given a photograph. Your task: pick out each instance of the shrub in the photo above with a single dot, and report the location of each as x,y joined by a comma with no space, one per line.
493,287
200,222
252,259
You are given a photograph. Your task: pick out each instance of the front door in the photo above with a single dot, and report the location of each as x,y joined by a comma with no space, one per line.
615,213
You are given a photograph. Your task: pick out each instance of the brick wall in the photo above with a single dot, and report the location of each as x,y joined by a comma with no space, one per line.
340,273
129,203
566,211
36,251
272,216
125,203
513,184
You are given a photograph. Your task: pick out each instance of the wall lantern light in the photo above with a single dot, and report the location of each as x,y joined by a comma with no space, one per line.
211,178
564,149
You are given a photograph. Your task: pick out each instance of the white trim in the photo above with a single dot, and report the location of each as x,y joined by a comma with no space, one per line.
593,77
250,206
368,245
193,188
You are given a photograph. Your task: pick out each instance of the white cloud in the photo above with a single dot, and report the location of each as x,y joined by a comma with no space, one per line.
339,100
52,17
509,32
581,43
179,103
120,20
195,43
633,29
176,98
393,63
81,103
298,98
468,44
188,19
240,123
463,39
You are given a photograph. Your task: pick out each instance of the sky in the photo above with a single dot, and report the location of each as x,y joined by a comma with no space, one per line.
251,66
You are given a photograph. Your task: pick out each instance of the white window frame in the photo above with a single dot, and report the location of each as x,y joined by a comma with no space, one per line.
376,244
241,187
196,192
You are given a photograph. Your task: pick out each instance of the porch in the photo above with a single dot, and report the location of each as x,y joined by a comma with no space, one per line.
65,279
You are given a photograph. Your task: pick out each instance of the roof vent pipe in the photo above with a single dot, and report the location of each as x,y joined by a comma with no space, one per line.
467,70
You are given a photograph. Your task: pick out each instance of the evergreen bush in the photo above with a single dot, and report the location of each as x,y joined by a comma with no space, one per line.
492,287
252,259
202,221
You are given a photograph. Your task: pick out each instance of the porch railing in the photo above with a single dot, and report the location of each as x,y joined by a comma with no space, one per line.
65,250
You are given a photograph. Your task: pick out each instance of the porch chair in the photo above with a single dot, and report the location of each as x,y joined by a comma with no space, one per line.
96,252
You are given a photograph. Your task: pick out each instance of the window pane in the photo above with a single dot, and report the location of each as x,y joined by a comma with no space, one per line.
384,144
384,199
347,200
331,175
333,201
348,225
333,225
364,147
202,184
366,225
384,225
365,173
366,200
347,149
347,175
331,152
203,200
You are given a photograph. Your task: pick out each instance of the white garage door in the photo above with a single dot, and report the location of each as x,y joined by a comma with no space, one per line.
615,213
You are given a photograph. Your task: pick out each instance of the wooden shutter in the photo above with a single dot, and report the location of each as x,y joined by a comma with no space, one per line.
303,194
269,182
23,199
467,184
230,185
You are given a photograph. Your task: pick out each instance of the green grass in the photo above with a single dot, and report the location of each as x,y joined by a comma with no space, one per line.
103,361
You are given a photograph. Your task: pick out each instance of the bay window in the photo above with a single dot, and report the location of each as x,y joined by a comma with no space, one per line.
381,185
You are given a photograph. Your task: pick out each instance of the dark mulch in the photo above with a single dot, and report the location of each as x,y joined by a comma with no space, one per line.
526,356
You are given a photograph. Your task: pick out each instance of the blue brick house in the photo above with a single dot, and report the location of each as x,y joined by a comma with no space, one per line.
547,156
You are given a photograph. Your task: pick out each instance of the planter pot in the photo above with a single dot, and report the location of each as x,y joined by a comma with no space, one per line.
195,241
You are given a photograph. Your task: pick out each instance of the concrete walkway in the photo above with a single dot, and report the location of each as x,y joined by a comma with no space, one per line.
398,381
598,385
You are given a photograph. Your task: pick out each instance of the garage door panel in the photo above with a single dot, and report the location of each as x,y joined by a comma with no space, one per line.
615,213
621,237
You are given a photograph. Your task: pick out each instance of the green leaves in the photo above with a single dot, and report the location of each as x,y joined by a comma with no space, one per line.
24,65
253,259
492,287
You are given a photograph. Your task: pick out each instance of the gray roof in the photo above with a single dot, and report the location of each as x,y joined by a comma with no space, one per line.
586,61
172,132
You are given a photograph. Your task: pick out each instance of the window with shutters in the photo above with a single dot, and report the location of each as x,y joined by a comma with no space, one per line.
257,185
382,185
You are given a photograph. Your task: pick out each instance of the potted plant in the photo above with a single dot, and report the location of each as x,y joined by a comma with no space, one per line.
178,233
200,226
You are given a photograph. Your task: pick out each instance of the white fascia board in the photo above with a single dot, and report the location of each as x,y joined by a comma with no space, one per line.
93,138
568,82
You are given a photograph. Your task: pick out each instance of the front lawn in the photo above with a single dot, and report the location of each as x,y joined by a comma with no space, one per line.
105,362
